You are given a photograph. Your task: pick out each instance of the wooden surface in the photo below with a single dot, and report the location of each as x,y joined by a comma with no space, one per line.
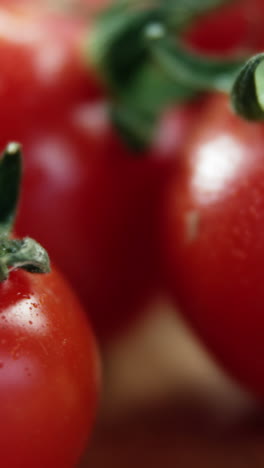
150,444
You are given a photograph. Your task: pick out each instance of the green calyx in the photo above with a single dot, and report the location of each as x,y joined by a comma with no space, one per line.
247,95
15,253
117,46
137,49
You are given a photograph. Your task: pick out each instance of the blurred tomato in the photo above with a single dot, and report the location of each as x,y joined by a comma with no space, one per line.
233,28
42,68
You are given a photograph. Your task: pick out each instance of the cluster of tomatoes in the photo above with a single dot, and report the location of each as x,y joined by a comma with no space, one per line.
185,215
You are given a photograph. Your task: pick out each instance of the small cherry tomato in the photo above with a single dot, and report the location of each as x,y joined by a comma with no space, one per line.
49,371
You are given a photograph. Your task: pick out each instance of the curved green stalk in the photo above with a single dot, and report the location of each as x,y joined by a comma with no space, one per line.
195,70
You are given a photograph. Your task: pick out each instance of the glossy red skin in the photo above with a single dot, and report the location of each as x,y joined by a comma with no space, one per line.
213,223
49,373
43,62
93,205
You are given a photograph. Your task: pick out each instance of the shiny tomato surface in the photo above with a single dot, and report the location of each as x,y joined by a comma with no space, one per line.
49,373
213,223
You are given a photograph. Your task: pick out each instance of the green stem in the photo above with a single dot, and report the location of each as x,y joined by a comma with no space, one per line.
196,71
171,74
22,253
146,68
15,253
10,175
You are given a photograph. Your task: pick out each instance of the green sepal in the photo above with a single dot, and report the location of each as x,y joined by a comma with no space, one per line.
146,69
247,95
15,253
174,75
136,112
117,46
22,253
116,43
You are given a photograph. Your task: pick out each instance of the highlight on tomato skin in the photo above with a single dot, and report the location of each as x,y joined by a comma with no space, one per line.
212,225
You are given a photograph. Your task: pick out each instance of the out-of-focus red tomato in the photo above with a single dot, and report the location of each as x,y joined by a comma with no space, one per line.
42,66
93,205
235,27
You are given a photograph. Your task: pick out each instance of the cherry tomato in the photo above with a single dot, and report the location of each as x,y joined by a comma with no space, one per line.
49,373
213,239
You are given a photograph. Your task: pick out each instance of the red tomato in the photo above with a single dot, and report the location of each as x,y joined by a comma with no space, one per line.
207,34
93,205
234,27
213,239
48,373
41,65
